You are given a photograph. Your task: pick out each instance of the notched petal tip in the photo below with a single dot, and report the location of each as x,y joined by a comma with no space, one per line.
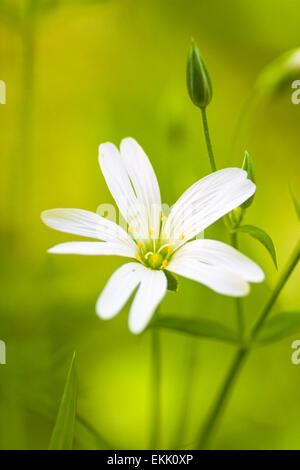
48,215
128,140
248,181
106,148
259,275
252,186
100,311
44,215
134,330
244,292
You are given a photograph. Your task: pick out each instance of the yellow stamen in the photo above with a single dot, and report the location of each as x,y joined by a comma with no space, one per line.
131,229
138,257
164,218
164,235
140,245
181,237
164,263
155,258
151,232
170,250
165,246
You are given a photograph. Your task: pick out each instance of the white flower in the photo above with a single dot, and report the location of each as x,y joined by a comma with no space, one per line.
158,243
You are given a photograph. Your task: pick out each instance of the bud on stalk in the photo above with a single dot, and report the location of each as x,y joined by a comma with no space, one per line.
198,80
248,167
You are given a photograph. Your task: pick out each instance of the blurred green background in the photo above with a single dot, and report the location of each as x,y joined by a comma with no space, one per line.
79,73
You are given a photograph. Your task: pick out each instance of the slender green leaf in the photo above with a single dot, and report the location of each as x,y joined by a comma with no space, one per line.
85,435
196,327
63,432
262,237
279,327
296,205
172,281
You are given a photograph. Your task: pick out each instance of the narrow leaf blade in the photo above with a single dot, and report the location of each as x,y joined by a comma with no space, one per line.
296,205
63,432
196,327
279,327
262,237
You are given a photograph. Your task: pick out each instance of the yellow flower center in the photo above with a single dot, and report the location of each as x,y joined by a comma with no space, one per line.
156,252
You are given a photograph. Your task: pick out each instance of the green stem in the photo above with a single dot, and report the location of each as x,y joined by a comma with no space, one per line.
208,141
24,170
187,391
192,357
242,353
238,300
223,396
240,317
291,264
155,387
211,155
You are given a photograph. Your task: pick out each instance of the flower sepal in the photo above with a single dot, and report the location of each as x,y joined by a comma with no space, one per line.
235,217
173,284
249,168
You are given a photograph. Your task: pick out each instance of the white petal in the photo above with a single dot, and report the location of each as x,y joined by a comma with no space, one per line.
208,200
114,248
151,291
118,182
218,279
85,223
221,256
118,289
143,179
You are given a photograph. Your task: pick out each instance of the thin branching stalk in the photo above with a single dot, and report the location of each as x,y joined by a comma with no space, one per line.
28,36
215,414
21,170
238,300
290,266
155,387
25,131
240,320
239,359
193,347
208,141
233,235
187,392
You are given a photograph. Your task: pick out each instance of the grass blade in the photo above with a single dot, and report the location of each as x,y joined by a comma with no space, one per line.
63,432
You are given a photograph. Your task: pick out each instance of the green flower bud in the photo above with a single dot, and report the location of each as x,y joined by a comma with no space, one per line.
236,217
198,81
248,166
